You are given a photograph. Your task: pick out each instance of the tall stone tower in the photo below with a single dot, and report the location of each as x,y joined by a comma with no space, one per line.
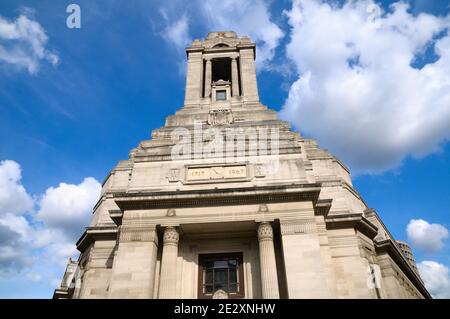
227,201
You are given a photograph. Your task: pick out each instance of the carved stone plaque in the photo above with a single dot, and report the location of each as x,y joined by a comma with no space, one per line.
214,173
220,117
173,175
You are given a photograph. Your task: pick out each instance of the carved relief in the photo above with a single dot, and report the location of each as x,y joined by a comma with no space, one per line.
173,175
171,212
220,117
260,170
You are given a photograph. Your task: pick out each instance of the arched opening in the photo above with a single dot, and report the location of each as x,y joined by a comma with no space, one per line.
221,45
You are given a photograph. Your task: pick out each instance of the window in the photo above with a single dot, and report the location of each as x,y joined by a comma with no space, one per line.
221,271
221,95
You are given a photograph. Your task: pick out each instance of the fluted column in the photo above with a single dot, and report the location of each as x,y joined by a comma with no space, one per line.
208,74
234,77
269,279
168,279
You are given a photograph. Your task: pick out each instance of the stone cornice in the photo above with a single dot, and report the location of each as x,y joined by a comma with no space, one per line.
322,207
62,293
209,197
357,221
116,216
92,234
389,247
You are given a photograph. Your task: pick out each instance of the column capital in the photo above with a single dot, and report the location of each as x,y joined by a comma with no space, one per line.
265,231
171,236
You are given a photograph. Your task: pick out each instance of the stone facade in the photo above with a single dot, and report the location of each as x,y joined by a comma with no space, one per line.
280,213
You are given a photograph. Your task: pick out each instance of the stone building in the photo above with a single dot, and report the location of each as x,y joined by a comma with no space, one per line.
226,201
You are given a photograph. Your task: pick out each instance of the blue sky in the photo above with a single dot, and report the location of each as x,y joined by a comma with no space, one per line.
119,75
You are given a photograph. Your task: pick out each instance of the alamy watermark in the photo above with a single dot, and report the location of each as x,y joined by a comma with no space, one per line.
73,20
220,144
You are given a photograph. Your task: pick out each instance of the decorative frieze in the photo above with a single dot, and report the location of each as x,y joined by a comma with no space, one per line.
128,234
298,227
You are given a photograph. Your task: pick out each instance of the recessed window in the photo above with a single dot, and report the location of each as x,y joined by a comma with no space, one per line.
221,95
221,69
221,271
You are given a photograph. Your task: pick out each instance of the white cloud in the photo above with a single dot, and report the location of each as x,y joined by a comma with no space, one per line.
436,278
13,196
68,206
425,236
178,33
13,256
23,43
357,92
247,18
37,245
34,277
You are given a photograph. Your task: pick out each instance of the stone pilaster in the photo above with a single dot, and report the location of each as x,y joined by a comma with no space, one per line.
248,75
194,79
234,77
208,76
306,276
135,262
269,279
168,279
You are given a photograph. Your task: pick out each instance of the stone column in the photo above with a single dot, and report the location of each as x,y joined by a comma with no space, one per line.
168,279
269,279
208,75
234,77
